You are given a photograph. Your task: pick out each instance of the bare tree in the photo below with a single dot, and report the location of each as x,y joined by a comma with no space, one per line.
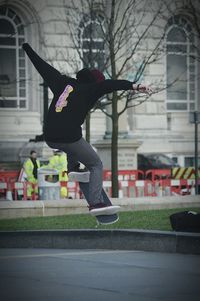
125,28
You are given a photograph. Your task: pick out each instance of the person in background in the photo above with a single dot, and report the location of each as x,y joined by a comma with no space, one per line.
59,161
31,166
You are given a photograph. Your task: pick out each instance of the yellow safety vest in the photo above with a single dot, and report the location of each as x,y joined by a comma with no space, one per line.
59,162
28,168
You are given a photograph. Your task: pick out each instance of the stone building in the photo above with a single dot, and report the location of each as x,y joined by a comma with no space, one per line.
159,125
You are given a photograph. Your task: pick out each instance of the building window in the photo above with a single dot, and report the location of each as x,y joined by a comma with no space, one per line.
12,60
189,162
91,42
181,65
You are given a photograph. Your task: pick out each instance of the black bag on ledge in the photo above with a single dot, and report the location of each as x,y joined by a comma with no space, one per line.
185,221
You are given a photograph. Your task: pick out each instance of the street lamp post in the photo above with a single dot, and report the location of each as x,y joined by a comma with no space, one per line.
45,103
45,111
195,119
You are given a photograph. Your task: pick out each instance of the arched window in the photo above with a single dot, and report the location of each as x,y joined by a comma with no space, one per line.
91,42
181,65
12,60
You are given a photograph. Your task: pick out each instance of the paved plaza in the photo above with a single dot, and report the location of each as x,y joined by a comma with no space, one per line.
96,275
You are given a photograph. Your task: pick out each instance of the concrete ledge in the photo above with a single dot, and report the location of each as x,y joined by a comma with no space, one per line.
159,241
17,209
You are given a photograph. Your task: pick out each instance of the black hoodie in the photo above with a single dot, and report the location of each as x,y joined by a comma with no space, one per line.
72,100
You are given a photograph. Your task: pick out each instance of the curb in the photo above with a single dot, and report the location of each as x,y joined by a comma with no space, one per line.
18,209
143,240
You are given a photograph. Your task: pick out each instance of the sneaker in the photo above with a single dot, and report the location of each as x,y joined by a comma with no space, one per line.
79,175
103,209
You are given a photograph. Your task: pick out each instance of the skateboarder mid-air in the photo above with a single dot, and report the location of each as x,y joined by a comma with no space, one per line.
73,99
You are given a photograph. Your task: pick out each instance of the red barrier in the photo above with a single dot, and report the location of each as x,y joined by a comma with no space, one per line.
3,188
163,187
72,189
124,175
134,188
9,177
153,183
20,189
158,174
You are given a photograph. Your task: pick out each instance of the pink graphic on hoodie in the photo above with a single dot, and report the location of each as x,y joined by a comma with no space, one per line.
62,100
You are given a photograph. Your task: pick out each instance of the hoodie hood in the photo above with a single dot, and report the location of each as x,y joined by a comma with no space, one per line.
85,76
98,75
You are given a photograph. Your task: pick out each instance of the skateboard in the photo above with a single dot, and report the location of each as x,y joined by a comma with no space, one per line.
101,219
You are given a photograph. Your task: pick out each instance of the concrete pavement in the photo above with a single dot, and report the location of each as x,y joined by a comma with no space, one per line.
76,275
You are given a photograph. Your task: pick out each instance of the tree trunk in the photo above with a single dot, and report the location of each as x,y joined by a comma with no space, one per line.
114,147
87,128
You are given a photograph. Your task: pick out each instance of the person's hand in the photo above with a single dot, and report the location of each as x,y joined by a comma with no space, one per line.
142,88
25,45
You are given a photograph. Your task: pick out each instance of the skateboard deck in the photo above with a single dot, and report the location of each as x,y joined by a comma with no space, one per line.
101,219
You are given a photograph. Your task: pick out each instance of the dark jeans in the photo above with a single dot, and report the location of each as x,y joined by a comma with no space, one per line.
82,151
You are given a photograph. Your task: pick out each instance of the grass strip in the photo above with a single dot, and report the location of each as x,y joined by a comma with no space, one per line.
148,220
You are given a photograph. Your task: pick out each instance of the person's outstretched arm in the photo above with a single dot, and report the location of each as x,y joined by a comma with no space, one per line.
109,86
49,74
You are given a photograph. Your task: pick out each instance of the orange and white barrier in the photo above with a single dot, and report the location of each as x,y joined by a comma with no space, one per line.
131,184
147,188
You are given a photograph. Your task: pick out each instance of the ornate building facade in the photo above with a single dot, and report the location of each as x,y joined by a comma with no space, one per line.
158,125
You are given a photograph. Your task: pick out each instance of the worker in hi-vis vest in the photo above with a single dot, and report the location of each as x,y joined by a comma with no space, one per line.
59,161
31,166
